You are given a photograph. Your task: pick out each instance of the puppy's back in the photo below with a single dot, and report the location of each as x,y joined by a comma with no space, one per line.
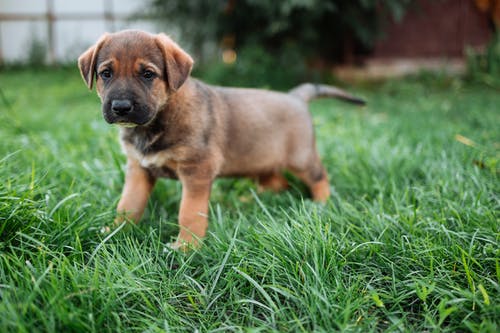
262,128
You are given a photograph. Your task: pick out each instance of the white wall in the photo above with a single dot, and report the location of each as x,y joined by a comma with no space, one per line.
77,25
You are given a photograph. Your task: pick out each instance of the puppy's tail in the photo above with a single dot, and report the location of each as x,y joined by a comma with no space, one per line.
308,91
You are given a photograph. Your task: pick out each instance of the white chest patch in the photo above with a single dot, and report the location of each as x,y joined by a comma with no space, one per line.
154,160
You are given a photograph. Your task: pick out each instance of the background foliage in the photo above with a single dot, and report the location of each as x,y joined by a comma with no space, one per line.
485,66
292,39
328,29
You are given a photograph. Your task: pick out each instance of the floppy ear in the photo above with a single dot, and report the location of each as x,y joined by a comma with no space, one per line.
178,63
87,61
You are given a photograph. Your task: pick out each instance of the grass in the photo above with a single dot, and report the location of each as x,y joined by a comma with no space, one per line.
410,241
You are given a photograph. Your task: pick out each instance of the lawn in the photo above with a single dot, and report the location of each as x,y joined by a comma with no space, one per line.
409,242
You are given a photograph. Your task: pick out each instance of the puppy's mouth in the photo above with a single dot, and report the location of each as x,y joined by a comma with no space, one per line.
129,121
127,125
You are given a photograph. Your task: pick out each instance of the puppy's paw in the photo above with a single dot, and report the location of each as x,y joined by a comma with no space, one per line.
105,230
173,246
183,245
321,191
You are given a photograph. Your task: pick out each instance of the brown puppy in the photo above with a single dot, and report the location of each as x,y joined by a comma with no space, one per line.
178,127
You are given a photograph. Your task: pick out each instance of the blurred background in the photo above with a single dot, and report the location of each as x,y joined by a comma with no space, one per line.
271,43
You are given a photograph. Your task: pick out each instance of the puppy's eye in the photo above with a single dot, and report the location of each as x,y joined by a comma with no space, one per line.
148,75
106,74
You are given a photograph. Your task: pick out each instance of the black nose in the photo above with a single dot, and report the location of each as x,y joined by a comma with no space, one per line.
121,107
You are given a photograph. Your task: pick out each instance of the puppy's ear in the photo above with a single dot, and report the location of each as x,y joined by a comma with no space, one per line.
178,63
87,61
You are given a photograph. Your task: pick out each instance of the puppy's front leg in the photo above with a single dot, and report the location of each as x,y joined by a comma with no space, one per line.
193,214
138,186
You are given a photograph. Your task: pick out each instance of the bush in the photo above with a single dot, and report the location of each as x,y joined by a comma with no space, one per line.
485,66
328,29
257,67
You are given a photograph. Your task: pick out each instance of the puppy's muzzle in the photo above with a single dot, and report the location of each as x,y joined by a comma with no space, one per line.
122,107
125,111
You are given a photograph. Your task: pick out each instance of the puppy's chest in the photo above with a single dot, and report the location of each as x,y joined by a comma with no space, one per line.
156,155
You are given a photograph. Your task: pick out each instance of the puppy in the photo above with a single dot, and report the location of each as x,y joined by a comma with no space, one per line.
174,126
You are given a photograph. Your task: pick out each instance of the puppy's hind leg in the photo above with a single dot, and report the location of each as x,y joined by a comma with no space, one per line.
316,178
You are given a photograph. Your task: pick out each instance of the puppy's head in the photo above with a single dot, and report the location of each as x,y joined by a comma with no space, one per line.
135,73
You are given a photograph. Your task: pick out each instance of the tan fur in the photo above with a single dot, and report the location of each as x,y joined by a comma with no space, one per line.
195,132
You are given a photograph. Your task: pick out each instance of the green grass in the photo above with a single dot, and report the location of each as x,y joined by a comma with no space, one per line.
410,241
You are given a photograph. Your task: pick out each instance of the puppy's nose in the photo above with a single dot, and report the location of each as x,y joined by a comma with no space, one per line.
121,107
